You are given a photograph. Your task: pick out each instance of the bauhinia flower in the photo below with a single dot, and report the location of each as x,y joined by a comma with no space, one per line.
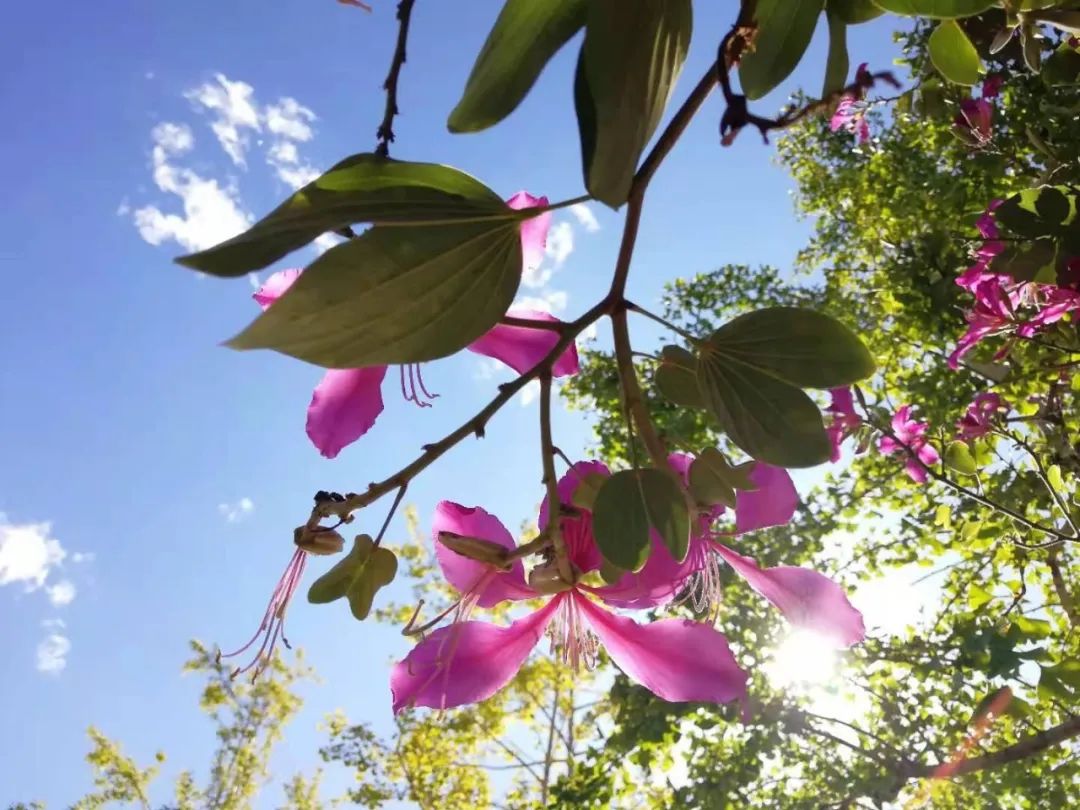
807,599
468,661
975,119
347,402
844,420
272,626
851,110
981,415
909,436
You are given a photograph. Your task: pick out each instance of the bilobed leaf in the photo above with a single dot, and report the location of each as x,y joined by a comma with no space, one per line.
797,346
632,55
629,504
362,188
394,295
953,54
784,30
959,458
357,577
676,377
526,35
853,11
941,9
837,64
714,481
770,420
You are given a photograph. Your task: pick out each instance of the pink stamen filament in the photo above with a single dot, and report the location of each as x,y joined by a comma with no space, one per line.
272,625
571,640
414,390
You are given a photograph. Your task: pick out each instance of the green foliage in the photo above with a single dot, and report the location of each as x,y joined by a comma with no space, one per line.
785,28
630,504
631,58
358,576
953,54
395,295
935,8
525,37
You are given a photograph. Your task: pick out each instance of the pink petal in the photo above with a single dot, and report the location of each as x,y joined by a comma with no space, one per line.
465,574
806,598
533,231
466,662
842,401
658,582
275,287
568,485
916,472
680,463
522,348
676,659
343,408
773,503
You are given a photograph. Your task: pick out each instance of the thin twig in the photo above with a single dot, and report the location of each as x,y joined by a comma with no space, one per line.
390,514
385,132
1061,588
551,483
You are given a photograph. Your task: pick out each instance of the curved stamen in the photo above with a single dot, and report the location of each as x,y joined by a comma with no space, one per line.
571,639
413,390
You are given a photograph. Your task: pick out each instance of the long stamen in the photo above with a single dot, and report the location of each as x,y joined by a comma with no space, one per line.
571,640
412,390
272,625
420,380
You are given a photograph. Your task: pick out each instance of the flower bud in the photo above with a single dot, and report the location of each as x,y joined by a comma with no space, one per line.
545,578
322,542
474,548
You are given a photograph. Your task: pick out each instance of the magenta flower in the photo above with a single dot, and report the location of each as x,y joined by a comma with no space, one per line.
850,115
992,84
975,120
347,402
806,598
910,437
468,661
980,416
844,419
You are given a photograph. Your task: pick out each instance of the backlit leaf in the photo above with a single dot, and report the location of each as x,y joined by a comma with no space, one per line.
785,28
629,504
953,54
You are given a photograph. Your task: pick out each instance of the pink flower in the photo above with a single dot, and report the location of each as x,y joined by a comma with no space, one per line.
974,120
347,402
806,598
980,416
910,437
844,419
850,115
468,661
992,84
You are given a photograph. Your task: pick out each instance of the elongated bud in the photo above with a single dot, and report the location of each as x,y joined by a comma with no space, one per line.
474,548
545,578
321,542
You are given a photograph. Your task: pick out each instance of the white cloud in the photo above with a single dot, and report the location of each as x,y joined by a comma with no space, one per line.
560,243
235,512
62,593
234,110
529,393
326,241
295,176
212,213
28,553
585,217
82,556
551,301
253,280
283,152
290,119
52,650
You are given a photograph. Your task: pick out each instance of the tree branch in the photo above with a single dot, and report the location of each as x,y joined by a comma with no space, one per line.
385,132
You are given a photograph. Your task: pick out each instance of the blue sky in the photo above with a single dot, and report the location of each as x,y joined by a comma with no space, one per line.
151,479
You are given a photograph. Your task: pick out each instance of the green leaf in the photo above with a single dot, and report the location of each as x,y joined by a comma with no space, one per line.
953,54
394,295
587,489
837,64
959,458
797,346
1053,475
632,55
1060,681
853,11
526,35
357,577
785,28
628,505
362,188
1062,68
676,378
714,481
977,597
941,9
770,420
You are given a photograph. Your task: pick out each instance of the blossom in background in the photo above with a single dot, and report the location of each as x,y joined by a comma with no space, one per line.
909,437
975,119
851,110
807,599
844,420
347,402
468,661
980,415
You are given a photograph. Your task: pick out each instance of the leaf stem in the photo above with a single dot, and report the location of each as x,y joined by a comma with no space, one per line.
551,483
631,391
652,316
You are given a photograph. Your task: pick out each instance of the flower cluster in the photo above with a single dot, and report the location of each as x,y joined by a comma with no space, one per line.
974,122
677,659
909,436
850,114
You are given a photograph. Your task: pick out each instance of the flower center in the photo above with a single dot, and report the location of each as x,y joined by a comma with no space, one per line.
571,640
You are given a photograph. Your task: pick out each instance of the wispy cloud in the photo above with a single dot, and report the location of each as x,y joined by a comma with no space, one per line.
211,212
232,107
237,511
28,553
62,593
52,651
585,217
